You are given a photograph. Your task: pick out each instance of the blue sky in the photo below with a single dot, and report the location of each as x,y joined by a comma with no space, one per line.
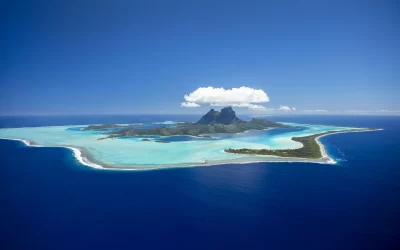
98,57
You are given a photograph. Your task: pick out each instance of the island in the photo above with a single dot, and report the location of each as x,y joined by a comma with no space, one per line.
214,122
162,141
109,126
151,146
311,148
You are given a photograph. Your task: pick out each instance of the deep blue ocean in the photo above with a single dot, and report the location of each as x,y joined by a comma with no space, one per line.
49,201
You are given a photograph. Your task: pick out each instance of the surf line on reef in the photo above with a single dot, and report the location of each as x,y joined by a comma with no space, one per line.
81,158
76,152
322,147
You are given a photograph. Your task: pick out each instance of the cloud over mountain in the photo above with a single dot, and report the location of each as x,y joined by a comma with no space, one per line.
243,97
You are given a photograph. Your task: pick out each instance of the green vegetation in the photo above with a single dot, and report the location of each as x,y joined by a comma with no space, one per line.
211,123
226,116
108,126
309,150
103,126
162,141
197,130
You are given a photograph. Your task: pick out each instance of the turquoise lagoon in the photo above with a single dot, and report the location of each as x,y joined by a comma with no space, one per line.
133,153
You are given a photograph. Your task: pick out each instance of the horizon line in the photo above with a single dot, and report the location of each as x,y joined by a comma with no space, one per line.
368,113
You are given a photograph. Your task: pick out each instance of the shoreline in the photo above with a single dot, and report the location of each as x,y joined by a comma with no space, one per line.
324,157
322,147
84,157
79,156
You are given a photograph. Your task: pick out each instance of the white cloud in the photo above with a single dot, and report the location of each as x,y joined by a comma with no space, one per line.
256,107
317,110
189,105
286,108
243,105
243,97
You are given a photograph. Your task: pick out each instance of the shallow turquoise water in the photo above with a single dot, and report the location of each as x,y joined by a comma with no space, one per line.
183,150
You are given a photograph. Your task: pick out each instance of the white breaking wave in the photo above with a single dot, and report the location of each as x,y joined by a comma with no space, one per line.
77,153
133,154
